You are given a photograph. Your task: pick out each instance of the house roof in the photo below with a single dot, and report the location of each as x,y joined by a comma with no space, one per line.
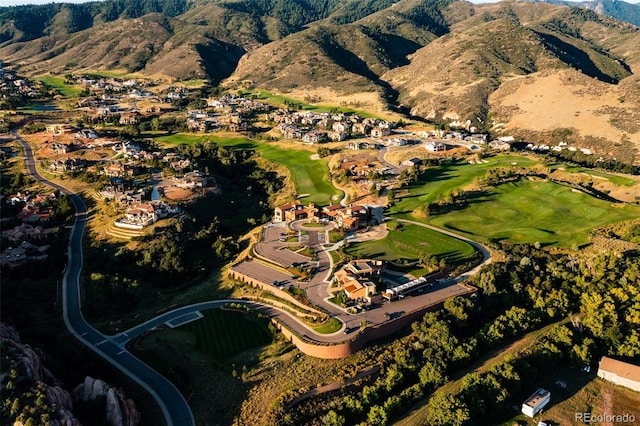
288,206
620,368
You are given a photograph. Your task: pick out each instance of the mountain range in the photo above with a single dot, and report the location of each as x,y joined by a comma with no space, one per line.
621,10
532,69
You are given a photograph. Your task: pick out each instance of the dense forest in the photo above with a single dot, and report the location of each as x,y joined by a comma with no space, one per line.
32,21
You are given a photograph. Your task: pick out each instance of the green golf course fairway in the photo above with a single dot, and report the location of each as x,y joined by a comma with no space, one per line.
58,83
309,176
529,211
441,180
410,242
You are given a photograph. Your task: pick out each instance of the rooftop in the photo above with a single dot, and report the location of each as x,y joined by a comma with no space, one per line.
620,368
537,398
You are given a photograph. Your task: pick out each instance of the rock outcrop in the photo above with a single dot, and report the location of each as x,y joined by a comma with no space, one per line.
25,363
119,410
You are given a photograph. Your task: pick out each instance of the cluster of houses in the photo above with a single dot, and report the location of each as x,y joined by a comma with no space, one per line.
357,279
111,84
27,232
349,218
315,128
109,91
229,111
561,146
25,251
37,208
12,86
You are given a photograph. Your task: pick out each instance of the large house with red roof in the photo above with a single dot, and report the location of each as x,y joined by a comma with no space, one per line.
349,218
357,279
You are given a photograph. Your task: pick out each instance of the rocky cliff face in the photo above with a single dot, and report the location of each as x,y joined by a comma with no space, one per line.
119,411
33,392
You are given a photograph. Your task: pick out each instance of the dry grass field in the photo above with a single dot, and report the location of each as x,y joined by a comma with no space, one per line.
562,100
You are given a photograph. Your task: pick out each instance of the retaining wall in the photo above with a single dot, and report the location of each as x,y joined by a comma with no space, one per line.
271,289
340,350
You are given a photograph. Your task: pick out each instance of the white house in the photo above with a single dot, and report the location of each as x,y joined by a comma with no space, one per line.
435,146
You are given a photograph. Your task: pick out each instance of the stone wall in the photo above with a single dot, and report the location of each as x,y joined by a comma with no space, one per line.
356,343
271,289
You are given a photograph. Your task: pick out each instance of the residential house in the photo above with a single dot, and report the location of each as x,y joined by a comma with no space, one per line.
349,218
435,146
121,170
281,213
191,180
360,129
355,278
35,213
59,148
26,231
289,131
411,162
59,129
477,138
341,126
379,132
131,117
67,165
620,373
16,256
337,136
314,136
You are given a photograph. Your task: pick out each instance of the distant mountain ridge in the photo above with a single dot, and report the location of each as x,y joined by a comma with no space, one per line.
443,60
629,12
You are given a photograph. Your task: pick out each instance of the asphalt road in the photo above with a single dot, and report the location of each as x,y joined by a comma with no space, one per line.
173,405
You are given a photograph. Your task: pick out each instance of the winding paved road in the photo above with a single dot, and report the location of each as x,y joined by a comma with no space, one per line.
173,405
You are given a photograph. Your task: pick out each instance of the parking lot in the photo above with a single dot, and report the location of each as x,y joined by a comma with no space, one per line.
263,273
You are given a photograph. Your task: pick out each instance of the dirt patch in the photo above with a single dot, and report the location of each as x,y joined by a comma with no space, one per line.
398,155
174,193
606,406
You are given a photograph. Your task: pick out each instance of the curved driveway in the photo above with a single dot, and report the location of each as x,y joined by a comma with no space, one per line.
173,405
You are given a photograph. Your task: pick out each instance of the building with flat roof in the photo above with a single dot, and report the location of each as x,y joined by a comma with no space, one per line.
536,402
620,372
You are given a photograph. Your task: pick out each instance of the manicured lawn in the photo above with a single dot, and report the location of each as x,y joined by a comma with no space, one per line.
226,333
331,326
57,83
442,180
615,179
309,176
410,241
530,211
523,212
